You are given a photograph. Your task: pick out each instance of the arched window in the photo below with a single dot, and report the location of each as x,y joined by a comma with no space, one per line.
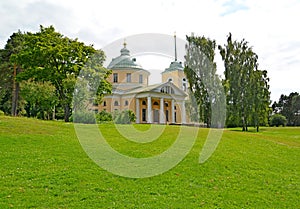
116,103
167,89
126,103
104,103
184,84
155,103
144,102
170,80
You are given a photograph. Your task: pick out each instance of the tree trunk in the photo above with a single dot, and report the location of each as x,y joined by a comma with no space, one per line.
243,121
53,113
67,113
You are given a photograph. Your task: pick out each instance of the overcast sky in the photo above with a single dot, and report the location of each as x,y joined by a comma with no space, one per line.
271,27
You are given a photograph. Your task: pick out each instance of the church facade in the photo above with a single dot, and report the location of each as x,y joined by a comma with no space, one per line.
161,103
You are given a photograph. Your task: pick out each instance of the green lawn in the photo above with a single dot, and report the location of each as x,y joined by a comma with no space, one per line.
44,166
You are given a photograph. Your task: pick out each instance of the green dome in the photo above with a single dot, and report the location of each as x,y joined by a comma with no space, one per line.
175,65
124,61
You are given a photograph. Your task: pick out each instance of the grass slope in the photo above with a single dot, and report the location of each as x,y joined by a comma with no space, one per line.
44,166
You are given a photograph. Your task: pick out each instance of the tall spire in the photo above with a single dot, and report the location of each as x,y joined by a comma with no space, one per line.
175,46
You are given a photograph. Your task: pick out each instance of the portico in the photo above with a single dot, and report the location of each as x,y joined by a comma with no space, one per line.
154,106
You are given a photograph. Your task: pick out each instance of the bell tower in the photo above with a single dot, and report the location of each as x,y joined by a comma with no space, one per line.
175,73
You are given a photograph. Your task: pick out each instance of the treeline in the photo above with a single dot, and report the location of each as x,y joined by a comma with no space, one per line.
287,110
39,72
242,98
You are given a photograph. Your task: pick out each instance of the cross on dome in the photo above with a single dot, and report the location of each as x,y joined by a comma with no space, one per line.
124,44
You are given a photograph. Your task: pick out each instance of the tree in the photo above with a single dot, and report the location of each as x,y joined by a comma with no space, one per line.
9,87
277,120
50,56
90,88
92,83
289,106
205,85
247,89
40,98
260,98
296,109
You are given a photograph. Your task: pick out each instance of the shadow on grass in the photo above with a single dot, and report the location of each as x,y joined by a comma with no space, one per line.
250,129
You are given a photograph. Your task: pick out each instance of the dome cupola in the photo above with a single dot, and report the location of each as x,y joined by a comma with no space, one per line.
124,61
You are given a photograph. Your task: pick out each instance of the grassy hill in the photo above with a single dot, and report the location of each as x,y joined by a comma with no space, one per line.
42,165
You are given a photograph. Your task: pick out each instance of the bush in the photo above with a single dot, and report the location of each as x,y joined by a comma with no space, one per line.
124,117
278,120
86,117
1,113
104,116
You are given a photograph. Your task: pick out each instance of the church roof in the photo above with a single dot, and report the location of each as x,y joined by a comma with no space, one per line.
124,61
175,65
157,88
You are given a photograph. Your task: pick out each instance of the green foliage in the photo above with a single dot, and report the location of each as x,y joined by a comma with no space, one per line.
289,106
91,84
96,76
10,102
104,116
86,117
1,113
44,166
40,98
50,56
205,85
124,117
278,120
246,87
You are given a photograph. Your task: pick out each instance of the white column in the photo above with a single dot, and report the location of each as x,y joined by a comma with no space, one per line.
183,116
137,110
172,111
149,110
161,111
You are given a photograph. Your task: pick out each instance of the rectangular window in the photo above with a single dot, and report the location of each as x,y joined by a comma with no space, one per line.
175,117
184,86
167,115
141,79
115,77
128,77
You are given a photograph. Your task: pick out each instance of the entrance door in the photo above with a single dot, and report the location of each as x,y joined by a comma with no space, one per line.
144,115
156,116
167,115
